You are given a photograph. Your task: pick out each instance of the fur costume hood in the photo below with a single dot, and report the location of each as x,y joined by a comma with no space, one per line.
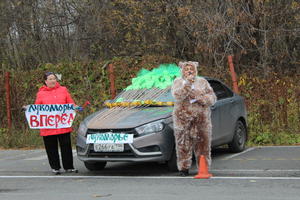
185,63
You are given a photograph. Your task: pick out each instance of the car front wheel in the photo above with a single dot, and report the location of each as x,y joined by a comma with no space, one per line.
94,166
172,163
239,138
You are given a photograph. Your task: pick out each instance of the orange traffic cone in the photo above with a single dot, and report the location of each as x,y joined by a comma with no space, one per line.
203,169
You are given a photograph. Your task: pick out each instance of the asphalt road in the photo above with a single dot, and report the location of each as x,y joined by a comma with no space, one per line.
257,173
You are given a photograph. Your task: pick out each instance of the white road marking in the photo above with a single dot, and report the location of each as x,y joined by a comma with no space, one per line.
277,147
254,170
147,177
238,154
257,178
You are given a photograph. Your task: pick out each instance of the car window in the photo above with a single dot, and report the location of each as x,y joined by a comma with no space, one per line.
220,90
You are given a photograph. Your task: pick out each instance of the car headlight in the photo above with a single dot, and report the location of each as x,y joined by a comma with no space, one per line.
82,129
150,128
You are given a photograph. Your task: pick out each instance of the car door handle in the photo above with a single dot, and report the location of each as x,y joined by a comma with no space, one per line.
213,107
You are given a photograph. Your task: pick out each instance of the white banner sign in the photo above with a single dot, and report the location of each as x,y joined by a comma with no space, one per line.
50,116
109,138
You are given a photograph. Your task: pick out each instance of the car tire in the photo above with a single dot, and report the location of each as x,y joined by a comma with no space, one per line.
94,166
238,142
172,163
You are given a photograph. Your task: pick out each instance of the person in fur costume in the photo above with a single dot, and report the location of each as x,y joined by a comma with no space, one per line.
192,116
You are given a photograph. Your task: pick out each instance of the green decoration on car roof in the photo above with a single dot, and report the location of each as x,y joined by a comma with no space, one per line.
161,77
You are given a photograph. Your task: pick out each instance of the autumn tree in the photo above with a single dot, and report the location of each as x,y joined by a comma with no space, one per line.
261,34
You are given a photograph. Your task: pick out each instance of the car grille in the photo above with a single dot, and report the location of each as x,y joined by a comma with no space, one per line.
126,153
127,150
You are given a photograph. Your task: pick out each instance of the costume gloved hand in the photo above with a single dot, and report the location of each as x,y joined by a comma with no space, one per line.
190,78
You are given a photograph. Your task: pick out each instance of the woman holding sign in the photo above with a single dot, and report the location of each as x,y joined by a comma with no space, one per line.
53,93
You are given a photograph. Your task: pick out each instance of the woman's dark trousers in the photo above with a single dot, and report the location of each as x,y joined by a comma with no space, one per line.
51,145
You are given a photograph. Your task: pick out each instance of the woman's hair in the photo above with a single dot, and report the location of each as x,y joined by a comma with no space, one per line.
48,74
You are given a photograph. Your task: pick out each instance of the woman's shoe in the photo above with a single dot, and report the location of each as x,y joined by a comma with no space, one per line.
71,170
56,171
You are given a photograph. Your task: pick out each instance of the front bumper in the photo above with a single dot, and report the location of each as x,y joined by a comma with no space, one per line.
155,147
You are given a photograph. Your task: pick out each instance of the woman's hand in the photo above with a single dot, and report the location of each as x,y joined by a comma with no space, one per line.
24,108
78,108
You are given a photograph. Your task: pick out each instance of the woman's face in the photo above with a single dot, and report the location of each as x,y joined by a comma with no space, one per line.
189,71
51,81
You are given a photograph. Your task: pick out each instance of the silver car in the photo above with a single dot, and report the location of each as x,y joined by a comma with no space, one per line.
151,129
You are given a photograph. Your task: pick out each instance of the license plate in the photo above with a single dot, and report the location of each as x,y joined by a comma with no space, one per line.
108,147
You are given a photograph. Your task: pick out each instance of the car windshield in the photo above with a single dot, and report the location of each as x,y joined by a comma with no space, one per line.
145,94
166,96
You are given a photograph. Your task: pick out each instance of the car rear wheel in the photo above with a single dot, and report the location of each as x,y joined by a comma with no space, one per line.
172,163
239,139
94,166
